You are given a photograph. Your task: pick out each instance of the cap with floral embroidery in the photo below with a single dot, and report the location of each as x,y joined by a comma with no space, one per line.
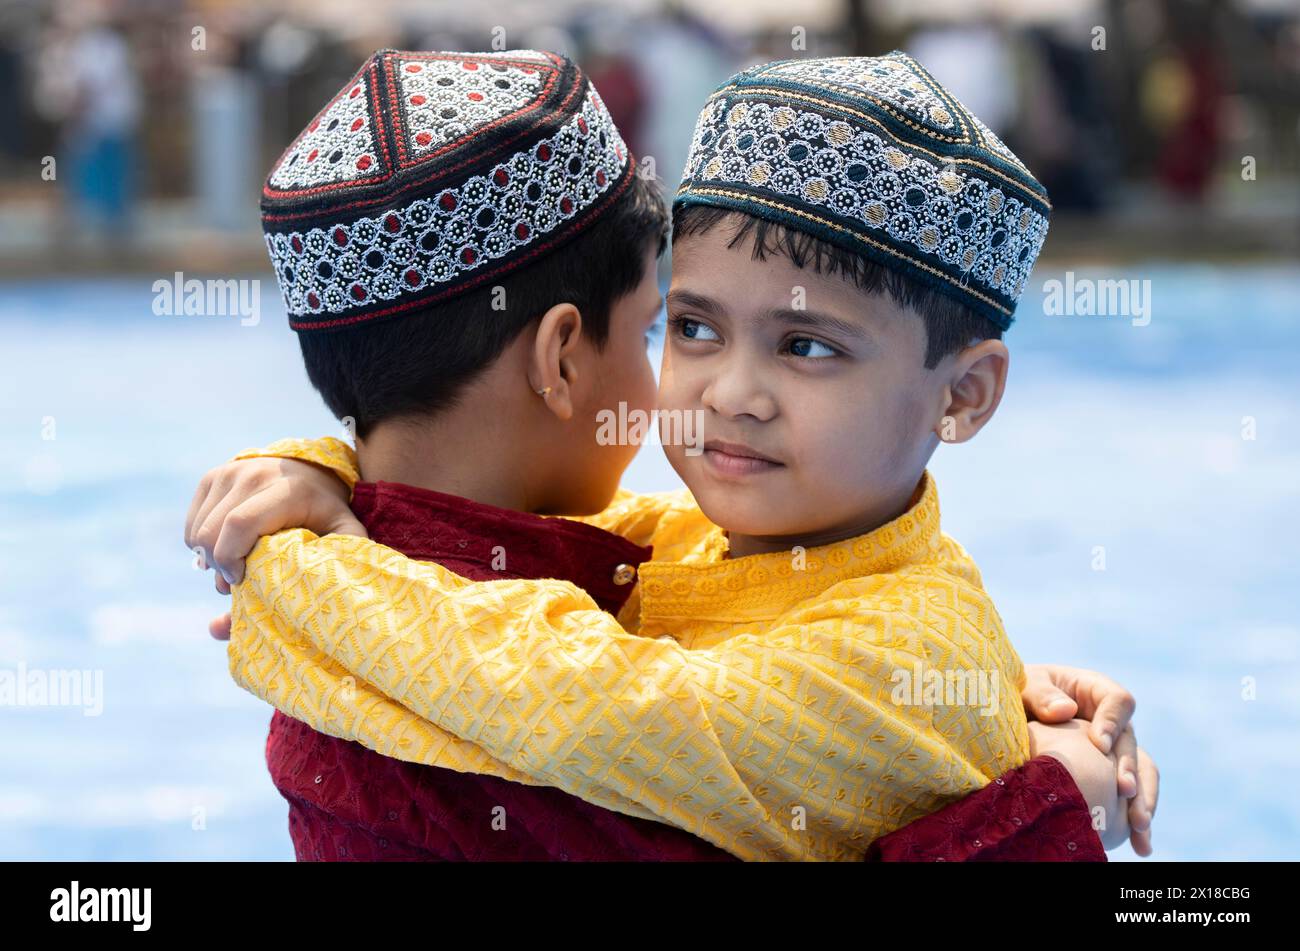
431,173
874,155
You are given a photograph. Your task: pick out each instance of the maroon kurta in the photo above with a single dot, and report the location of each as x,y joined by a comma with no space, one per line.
347,802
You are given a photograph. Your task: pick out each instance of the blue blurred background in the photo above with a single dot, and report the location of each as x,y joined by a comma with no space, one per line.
1135,508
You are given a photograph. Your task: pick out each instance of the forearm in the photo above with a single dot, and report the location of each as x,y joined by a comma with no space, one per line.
634,516
327,452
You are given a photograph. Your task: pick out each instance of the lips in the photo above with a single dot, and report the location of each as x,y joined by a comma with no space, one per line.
737,459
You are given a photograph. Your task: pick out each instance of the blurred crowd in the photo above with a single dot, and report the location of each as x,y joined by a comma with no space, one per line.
132,118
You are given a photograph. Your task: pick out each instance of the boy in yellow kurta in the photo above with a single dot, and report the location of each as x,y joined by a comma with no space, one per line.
808,662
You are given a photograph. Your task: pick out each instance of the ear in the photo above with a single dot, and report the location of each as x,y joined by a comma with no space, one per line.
978,377
552,363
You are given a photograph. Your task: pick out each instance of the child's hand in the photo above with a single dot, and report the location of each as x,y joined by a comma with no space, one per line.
1054,693
1094,772
240,501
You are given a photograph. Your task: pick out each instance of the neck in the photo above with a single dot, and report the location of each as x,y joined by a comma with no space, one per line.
462,451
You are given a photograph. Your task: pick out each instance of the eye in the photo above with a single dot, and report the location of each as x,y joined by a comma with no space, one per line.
692,329
808,347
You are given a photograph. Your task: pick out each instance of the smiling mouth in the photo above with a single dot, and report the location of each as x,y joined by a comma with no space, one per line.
735,459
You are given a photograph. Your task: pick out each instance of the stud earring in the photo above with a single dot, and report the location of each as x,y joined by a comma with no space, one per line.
544,391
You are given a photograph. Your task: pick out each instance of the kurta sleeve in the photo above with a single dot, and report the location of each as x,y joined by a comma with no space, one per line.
1034,813
632,515
327,452
780,745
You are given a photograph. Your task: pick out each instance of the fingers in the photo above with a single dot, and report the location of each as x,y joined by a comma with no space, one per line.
1142,808
209,533
219,627
239,502
196,503
219,482
1141,842
265,513
1126,762
1112,713
1043,699
1144,811
1105,704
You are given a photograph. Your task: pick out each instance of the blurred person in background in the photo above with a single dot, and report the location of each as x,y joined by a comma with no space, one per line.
86,84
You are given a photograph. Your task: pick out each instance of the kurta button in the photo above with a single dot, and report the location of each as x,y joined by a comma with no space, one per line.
319,778
624,574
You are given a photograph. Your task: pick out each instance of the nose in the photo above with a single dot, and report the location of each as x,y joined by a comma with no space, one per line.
737,389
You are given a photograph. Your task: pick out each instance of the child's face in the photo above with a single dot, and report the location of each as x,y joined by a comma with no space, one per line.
826,383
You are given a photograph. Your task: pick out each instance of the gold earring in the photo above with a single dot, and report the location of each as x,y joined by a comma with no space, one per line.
544,391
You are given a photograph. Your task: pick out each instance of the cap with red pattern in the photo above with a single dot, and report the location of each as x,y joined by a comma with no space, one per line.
433,173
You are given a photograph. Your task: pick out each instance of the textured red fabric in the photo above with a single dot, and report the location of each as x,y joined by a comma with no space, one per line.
349,803
1034,813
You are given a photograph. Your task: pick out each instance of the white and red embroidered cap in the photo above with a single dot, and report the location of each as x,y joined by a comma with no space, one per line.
433,173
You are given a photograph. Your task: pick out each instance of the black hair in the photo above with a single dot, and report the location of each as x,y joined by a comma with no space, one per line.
418,363
950,326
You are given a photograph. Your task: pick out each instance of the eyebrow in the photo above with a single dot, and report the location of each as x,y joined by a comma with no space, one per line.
695,302
815,320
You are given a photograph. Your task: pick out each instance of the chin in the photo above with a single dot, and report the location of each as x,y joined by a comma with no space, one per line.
740,514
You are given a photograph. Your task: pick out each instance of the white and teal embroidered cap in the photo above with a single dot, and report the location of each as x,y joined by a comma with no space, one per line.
874,155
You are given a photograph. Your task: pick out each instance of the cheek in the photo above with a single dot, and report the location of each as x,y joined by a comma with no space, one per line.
633,381
850,442
647,392
672,393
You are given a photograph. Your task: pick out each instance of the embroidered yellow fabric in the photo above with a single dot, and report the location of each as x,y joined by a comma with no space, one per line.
786,706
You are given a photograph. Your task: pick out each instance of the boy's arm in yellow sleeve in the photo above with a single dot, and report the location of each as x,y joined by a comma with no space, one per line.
327,452
781,744
634,516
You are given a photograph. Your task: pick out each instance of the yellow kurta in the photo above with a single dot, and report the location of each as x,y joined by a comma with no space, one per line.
782,706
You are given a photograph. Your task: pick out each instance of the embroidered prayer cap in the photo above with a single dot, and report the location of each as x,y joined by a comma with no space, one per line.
431,173
874,155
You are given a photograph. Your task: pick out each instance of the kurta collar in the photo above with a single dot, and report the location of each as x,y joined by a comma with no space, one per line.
708,584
